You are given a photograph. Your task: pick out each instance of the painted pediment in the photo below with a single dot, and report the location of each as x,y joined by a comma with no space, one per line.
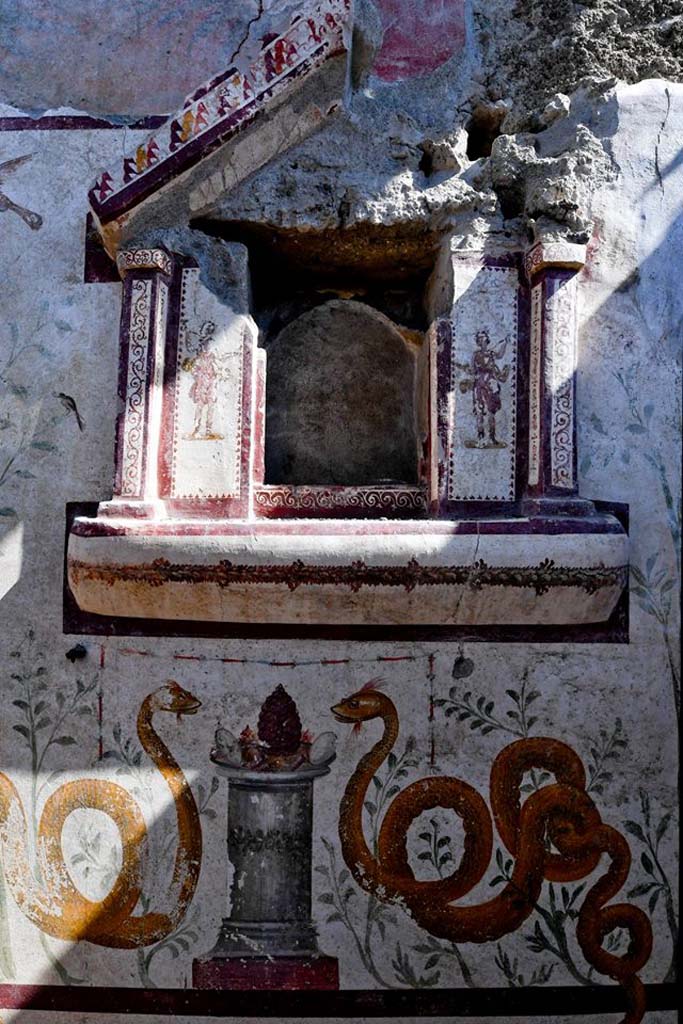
230,126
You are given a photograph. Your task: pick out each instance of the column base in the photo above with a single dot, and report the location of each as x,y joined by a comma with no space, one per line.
555,506
266,973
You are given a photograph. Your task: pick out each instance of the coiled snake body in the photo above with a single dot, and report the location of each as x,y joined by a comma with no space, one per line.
54,904
562,815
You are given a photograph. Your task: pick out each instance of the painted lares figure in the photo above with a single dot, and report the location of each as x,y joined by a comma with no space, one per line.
484,381
203,365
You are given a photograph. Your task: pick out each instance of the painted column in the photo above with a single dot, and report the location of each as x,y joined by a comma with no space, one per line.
269,941
552,484
146,277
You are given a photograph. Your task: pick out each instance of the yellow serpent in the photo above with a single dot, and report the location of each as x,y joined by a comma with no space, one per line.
55,905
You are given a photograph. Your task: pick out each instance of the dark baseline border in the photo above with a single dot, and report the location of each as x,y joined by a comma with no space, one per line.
78,122
556,1001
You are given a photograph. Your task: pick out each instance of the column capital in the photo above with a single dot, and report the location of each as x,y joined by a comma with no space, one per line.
554,255
128,260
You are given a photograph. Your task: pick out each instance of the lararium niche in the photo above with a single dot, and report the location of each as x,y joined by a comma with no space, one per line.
340,400
369,435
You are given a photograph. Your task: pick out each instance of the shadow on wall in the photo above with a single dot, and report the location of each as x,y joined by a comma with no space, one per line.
135,856
643,317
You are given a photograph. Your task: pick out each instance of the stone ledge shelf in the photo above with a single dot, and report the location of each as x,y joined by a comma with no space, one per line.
489,571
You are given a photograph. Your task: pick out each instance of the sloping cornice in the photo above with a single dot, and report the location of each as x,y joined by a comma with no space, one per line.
229,104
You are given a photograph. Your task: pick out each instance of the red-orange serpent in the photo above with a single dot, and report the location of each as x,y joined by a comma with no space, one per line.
54,904
561,814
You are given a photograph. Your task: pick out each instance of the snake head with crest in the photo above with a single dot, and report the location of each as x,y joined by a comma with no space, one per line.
555,834
364,705
172,697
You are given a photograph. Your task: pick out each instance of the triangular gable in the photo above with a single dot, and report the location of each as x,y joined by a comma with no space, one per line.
221,108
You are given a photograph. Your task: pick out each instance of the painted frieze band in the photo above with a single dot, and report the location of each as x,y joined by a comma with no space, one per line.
279,501
558,254
128,260
540,578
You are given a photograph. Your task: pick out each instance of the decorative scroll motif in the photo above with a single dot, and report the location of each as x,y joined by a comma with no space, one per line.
207,446
256,840
481,457
535,384
560,328
218,108
144,259
362,501
156,392
541,578
136,377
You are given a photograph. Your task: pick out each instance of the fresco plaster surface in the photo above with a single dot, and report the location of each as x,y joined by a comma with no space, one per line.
458,705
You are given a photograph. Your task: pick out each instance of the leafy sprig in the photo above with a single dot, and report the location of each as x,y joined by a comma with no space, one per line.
481,714
608,748
437,952
179,941
515,979
406,973
338,898
386,785
96,857
657,882
551,935
438,852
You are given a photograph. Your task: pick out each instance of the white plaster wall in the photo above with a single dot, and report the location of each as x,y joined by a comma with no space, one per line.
58,335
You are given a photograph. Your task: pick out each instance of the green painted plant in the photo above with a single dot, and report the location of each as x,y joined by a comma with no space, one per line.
509,968
655,579
480,712
46,716
656,886
27,420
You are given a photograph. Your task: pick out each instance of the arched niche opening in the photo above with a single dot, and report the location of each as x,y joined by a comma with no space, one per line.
341,399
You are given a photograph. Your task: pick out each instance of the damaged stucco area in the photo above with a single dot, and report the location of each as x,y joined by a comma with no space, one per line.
512,132
551,46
